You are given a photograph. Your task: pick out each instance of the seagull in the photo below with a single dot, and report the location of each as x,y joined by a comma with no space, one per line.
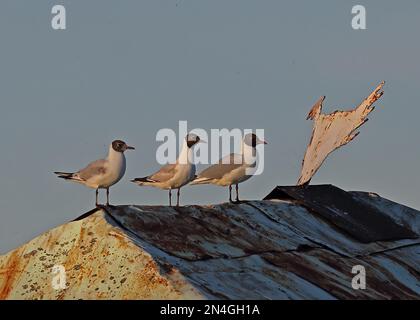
102,173
175,175
232,169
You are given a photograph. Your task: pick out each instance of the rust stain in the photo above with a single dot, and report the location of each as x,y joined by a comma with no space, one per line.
13,272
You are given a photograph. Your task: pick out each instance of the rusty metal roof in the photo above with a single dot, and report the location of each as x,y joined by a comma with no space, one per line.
270,249
359,218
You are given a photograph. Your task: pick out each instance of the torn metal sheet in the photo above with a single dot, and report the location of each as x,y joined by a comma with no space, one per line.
331,131
362,221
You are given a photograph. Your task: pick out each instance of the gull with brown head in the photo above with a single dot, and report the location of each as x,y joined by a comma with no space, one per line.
233,168
102,173
174,175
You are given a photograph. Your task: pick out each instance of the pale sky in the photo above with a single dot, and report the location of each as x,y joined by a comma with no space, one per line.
125,69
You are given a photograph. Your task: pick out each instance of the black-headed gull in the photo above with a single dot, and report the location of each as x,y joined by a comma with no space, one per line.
103,173
232,169
174,175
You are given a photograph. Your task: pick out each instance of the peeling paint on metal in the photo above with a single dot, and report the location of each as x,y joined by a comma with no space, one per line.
332,131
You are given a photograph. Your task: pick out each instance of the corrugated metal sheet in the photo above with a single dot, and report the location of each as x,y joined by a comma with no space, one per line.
272,249
361,220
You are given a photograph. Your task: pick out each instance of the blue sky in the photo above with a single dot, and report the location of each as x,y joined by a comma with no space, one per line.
125,69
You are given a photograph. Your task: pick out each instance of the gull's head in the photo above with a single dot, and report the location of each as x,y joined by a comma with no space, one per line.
192,139
252,140
120,146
